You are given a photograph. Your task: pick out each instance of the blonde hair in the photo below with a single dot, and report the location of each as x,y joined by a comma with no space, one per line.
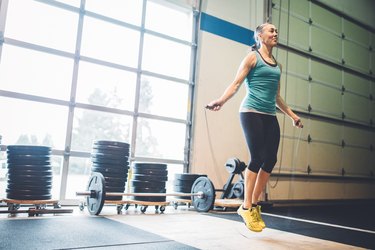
259,30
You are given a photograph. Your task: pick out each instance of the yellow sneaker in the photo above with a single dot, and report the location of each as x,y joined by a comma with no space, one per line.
250,217
260,220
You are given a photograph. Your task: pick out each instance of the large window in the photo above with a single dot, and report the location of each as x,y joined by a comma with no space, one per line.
79,71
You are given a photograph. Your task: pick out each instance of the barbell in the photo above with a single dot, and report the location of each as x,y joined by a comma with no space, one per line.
202,194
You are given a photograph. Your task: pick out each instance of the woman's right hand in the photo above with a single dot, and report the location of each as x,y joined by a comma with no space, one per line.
214,105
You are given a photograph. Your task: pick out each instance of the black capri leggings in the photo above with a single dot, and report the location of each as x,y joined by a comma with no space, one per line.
262,134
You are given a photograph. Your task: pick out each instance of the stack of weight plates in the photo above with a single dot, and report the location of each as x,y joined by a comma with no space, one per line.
184,182
29,172
149,178
111,158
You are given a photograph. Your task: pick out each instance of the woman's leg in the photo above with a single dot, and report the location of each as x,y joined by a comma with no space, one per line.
252,126
272,139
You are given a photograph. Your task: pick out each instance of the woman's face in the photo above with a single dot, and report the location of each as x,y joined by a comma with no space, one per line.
269,35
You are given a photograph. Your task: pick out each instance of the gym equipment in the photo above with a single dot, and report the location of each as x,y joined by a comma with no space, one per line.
202,194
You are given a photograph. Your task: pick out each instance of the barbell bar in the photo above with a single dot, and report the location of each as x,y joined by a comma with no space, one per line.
202,194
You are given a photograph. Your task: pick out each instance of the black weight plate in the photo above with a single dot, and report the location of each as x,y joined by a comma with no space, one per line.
20,171
110,168
110,156
188,177
112,174
115,181
39,176
159,172
112,143
28,148
147,190
12,157
96,185
100,160
29,197
113,198
115,189
145,165
182,189
28,162
28,182
178,182
147,184
141,177
27,192
29,167
150,198
22,186
206,202
110,150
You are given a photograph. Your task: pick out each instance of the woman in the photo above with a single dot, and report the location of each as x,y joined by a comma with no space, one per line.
261,73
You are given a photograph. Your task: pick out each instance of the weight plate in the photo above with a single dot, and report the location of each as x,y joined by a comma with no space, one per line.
112,174
141,177
159,172
32,182
114,189
28,162
28,148
28,157
238,189
110,180
38,176
150,198
111,150
110,156
145,165
111,168
112,143
206,202
31,187
29,197
29,167
96,186
178,182
27,192
182,189
188,177
20,171
147,184
124,162
147,190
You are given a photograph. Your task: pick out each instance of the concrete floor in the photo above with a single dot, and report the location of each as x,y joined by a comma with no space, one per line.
202,231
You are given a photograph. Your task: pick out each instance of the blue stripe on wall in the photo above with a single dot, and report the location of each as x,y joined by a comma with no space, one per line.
226,29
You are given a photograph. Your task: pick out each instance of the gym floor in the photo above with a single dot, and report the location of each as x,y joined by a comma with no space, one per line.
324,227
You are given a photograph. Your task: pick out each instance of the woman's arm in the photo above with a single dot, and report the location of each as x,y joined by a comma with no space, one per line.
246,65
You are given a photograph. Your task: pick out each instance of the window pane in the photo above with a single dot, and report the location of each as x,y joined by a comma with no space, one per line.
129,11
160,139
42,24
156,98
33,123
106,86
110,42
78,176
89,125
169,19
35,73
166,57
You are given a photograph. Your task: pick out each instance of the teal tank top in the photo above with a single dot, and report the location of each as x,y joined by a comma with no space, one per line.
261,87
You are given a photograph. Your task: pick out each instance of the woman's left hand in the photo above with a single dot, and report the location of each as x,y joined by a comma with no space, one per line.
297,122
